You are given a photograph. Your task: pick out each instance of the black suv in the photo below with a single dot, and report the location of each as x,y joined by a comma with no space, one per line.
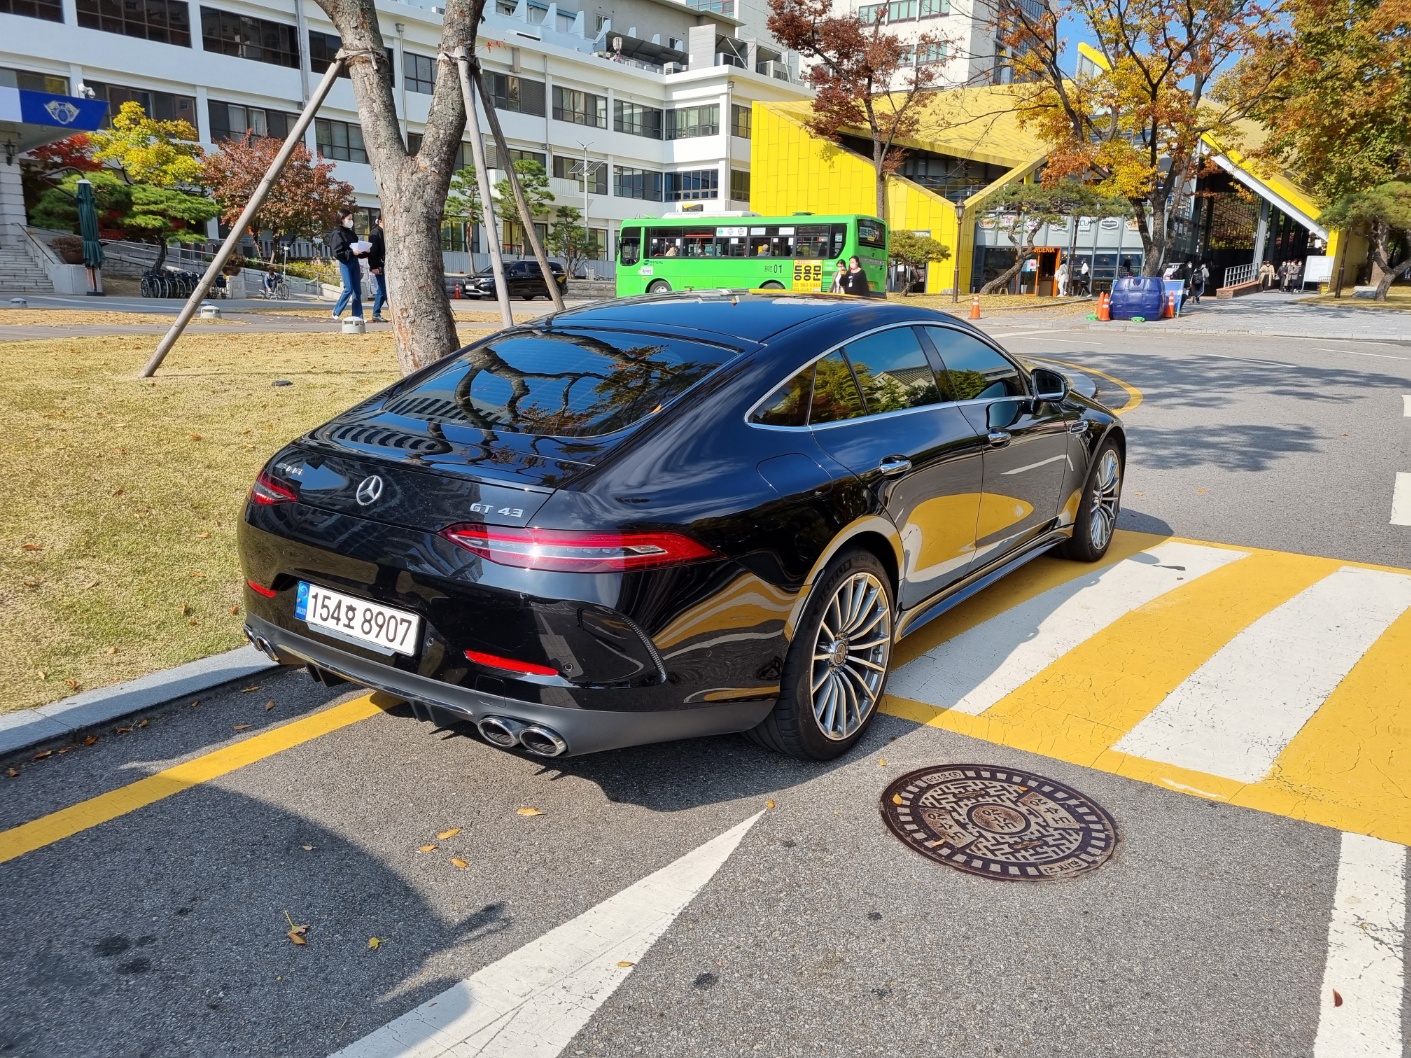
523,277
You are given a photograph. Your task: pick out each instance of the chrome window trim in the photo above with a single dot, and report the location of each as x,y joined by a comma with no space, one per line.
749,414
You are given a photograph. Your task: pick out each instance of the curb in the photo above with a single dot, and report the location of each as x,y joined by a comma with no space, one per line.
1123,327
28,727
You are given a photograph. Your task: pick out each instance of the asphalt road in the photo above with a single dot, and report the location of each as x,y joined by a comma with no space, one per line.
162,931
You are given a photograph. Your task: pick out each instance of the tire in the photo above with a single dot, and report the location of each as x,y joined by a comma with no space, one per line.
1097,511
771,285
806,723
658,286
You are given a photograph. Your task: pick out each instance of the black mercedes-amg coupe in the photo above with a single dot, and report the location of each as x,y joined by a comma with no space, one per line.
671,516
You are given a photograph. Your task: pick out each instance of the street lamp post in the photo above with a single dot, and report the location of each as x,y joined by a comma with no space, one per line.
959,242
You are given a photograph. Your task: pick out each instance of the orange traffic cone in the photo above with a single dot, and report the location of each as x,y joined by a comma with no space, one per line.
457,292
1168,311
1104,307
975,308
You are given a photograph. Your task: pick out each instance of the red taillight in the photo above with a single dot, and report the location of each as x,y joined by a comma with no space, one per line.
509,664
571,551
267,491
260,589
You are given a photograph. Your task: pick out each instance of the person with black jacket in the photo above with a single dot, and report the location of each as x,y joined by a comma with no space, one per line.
855,279
377,265
344,238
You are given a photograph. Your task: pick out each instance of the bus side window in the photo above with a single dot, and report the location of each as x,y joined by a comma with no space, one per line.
840,234
735,247
759,246
629,246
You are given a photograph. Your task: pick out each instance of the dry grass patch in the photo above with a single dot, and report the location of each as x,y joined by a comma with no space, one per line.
999,304
94,318
1398,300
117,551
458,309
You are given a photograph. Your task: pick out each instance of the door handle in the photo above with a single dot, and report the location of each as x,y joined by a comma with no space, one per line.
998,438
894,465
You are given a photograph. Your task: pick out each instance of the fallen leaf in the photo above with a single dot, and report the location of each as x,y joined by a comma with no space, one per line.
42,754
64,750
459,863
624,962
123,730
196,575
203,536
308,848
881,762
1199,490
31,547
34,583
241,727
117,492
195,437
111,650
73,684
143,722
90,740
195,702
252,687
185,609
374,943
193,622
529,811
296,933
448,833
269,705
42,674
13,773
1337,998
768,804
427,848
235,609
896,798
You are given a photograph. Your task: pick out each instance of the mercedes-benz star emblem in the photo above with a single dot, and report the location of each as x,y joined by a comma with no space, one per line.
369,490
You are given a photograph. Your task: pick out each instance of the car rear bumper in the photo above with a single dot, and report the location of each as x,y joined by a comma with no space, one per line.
583,730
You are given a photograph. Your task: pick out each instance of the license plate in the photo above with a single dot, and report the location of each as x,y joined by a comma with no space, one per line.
369,623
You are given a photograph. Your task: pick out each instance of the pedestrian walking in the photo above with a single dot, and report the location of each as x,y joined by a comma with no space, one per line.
1266,275
1085,280
842,270
855,279
377,265
1296,277
1285,276
1061,278
349,266
1200,275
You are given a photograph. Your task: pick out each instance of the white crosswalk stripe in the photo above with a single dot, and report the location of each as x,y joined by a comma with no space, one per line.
1363,978
1401,500
980,666
1235,714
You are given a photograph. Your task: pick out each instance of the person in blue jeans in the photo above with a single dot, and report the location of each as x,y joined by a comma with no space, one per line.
377,265
349,266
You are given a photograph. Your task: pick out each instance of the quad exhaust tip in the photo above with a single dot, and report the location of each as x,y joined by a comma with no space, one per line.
262,644
505,733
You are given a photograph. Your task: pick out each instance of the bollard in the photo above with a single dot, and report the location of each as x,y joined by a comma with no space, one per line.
210,312
975,308
354,325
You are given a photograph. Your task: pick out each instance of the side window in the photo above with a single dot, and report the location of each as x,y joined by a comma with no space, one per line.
629,246
835,394
892,369
788,405
977,372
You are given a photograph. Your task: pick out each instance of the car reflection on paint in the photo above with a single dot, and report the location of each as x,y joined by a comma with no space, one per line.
671,516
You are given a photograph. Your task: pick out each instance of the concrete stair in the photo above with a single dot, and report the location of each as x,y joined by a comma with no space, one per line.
20,273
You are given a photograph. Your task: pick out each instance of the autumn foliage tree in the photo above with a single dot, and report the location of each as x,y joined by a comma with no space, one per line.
304,201
1138,124
1336,105
866,78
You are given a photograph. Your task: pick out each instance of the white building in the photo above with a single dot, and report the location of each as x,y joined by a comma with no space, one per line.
655,97
968,53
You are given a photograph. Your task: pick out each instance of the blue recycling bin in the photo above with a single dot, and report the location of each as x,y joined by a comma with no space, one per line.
1137,296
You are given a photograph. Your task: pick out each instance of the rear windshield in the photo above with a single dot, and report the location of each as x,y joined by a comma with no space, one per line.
561,384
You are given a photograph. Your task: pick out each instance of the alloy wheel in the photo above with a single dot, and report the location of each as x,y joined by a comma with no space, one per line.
1107,492
850,656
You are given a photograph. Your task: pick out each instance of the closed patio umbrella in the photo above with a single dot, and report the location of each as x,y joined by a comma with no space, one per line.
88,228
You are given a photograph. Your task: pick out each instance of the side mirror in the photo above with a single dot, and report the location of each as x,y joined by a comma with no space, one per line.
1049,386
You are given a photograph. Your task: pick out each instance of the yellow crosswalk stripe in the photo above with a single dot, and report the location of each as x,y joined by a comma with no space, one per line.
1343,769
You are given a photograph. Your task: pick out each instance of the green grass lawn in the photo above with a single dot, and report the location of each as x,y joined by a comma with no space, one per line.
1398,299
117,550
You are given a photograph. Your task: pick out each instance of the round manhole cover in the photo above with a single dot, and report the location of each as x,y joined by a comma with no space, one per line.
998,822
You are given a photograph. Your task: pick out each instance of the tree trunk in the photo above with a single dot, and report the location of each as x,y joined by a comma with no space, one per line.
1384,272
411,189
1153,242
1022,252
161,254
879,156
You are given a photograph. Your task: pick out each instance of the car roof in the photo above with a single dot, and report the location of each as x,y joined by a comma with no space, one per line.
756,316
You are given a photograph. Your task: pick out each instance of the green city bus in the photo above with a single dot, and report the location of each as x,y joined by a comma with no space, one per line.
696,251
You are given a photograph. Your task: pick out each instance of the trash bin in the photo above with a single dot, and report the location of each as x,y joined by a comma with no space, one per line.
1137,296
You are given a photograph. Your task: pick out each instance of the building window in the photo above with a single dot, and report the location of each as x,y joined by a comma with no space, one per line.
636,119
453,236
580,108
494,161
934,8
28,81
226,33
740,185
689,122
50,10
567,167
340,140
714,7
419,73
323,49
929,54
896,11
519,95
167,21
164,106
692,184
231,121
636,183
741,121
